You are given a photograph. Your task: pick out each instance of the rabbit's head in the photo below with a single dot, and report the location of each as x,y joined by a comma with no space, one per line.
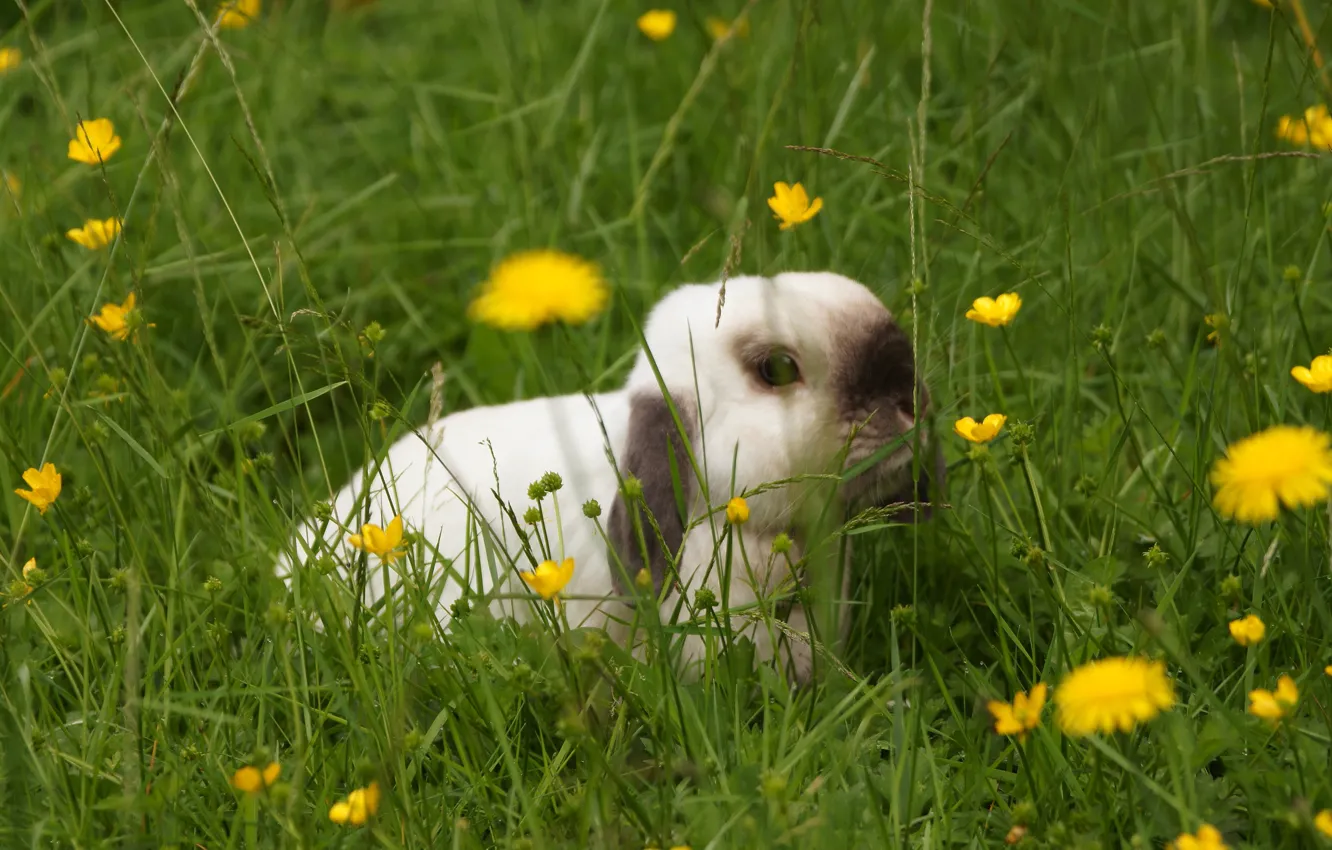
805,374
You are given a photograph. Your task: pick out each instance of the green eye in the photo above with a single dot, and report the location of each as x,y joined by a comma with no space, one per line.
778,369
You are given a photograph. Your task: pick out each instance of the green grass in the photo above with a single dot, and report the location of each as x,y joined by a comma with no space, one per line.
370,166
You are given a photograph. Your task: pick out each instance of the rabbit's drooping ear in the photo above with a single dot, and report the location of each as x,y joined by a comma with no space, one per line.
655,453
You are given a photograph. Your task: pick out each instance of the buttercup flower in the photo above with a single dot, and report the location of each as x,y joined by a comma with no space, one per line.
1323,822
10,58
384,542
358,806
1313,128
719,28
980,432
45,486
117,319
236,14
1284,465
533,288
1317,376
791,205
737,511
1022,715
1273,706
549,578
1248,631
1207,837
252,780
995,312
657,24
1112,694
1328,670
29,568
95,234
94,141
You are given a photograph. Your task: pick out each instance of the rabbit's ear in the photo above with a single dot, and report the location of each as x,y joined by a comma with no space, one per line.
655,452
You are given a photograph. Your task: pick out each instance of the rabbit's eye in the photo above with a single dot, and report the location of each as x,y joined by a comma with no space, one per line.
778,369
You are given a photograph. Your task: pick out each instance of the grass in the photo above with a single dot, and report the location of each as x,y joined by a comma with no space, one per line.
327,170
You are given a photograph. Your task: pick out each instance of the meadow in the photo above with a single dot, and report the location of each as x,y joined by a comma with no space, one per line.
308,201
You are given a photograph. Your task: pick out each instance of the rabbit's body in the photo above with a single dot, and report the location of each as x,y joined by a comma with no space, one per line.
806,374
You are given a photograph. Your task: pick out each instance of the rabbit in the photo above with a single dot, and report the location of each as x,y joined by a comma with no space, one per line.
800,374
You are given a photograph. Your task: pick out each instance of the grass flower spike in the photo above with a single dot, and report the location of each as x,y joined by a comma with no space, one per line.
657,24
1284,465
1274,705
94,141
237,14
549,578
95,234
1207,837
1020,716
995,312
980,432
1113,694
737,511
118,320
1248,631
382,542
10,58
1317,376
45,486
791,205
534,288
252,780
357,807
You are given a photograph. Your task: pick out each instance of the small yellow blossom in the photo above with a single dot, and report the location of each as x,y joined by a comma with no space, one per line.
384,542
791,205
737,511
251,780
1323,822
995,312
118,319
358,806
1328,669
1248,631
719,28
549,578
980,432
1219,323
237,14
45,486
95,234
94,141
1313,128
1207,837
1284,465
1020,716
10,57
1112,694
657,24
1317,376
29,568
533,288
1271,705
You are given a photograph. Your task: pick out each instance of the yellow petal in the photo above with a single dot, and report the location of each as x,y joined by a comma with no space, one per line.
340,812
814,208
271,773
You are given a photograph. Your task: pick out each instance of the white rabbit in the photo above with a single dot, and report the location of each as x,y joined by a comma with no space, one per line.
805,374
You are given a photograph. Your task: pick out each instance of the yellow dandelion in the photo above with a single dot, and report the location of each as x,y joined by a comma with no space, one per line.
657,24
95,234
995,312
1323,822
45,484
1284,465
237,14
1248,631
94,141
383,542
1317,376
1113,694
534,288
549,578
737,511
980,432
252,780
1021,715
791,205
1274,705
1207,837
10,58
357,807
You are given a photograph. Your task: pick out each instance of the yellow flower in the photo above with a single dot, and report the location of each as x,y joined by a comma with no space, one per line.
737,511
1284,465
94,141
1112,694
251,780
10,57
1328,669
1218,322
118,319
29,568
549,578
1022,715
657,24
719,28
1271,705
980,432
533,288
995,312
383,542
1207,837
1248,631
45,487
791,205
95,234
357,807
1313,128
1317,376
236,14
1323,821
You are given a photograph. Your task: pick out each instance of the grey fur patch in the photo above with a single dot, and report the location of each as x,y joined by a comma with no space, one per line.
646,456
873,368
